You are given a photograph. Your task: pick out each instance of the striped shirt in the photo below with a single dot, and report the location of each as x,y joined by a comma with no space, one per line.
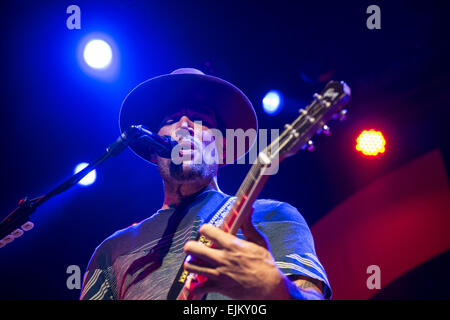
142,261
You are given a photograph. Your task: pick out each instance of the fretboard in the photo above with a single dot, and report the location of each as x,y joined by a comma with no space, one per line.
245,196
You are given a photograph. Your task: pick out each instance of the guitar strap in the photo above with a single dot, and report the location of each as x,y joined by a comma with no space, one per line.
215,220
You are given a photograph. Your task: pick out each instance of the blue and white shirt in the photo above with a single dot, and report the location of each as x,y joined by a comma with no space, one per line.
142,261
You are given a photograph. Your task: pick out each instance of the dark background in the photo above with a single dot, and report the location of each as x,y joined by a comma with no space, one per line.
54,115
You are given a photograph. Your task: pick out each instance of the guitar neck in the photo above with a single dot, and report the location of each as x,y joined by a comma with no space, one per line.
245,196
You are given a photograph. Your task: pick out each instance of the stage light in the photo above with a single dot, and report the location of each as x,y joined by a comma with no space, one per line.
272,102
371,143
89,178
97,54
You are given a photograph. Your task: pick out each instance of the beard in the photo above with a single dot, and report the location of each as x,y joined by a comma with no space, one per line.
185,172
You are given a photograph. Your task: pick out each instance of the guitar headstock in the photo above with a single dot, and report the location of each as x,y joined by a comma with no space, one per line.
327,104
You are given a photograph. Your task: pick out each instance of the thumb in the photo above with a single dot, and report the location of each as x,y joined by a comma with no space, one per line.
252,234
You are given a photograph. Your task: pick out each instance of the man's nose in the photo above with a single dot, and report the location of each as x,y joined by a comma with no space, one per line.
186,127
185,122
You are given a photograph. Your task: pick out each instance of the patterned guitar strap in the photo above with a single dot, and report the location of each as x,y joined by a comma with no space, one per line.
215,220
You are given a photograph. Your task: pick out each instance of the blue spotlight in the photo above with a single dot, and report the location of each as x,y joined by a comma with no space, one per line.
89,178
97,54
272,102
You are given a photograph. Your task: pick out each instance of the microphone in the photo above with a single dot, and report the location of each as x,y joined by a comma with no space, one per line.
162,145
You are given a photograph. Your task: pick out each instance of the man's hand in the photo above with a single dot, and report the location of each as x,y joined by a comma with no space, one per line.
237,268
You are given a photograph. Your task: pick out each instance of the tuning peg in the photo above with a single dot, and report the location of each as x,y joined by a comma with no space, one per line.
303,111
317,96
320,99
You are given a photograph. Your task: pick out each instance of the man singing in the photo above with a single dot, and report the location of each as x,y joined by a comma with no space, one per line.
271,257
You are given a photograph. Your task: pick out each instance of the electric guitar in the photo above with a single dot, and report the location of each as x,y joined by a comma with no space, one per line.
296,136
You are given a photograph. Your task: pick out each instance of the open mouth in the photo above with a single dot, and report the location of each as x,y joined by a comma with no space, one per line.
188,149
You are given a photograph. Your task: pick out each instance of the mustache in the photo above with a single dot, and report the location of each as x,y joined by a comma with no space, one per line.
192,141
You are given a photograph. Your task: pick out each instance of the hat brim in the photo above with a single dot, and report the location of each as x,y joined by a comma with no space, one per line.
149,102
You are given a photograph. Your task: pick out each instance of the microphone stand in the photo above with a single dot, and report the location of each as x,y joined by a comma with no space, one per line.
17,221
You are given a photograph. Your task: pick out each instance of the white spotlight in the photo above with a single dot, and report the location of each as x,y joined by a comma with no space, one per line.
89,178
97,54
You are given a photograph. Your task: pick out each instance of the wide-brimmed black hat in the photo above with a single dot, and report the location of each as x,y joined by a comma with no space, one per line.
152,100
